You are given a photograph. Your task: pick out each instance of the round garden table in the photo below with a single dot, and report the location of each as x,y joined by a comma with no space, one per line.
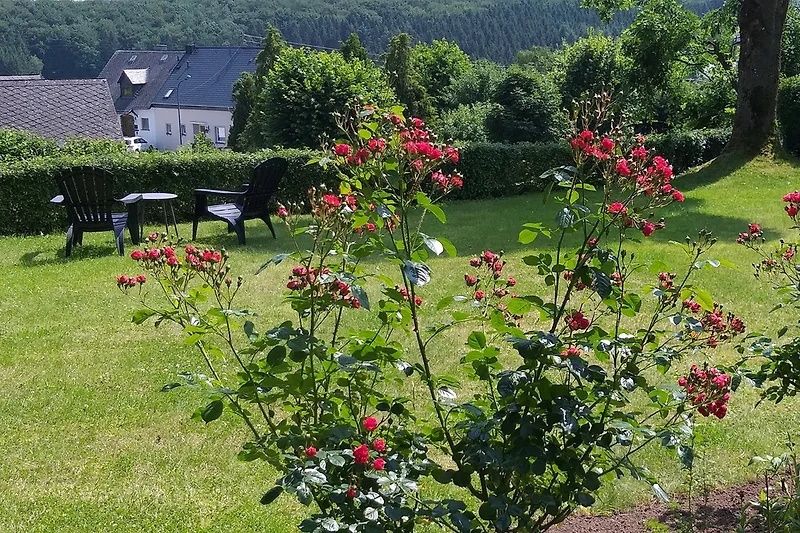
166,199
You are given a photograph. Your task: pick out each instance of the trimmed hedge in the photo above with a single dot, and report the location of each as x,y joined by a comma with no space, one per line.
788,111
688,148
489,169
28,185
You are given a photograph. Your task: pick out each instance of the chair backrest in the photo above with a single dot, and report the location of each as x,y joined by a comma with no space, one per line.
263,185
88,194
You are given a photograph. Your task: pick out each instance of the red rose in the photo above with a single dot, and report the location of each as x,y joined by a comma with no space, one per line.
678,196
379,445
370,423
607,144
378,464
351,493
137,255
282,212
622,168
311,452
361,454
480,295
153,254
648,228
510,282
470,280
617,208
342,150
332,200
577,321
452,154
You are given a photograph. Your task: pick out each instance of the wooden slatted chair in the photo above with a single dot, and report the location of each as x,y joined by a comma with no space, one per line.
251,203
88,198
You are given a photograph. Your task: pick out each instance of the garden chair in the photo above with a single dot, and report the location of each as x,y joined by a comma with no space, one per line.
251,203
88,197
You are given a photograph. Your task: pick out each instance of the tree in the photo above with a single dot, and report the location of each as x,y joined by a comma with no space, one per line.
437,65
790,51
761,24
539,58
304,91
589,66
274,44
243,96
474,86
528,108
352,49
402,77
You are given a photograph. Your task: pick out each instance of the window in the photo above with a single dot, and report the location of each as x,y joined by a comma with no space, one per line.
168,93
183,130
219,134
198,127
169,129
127,90
145,124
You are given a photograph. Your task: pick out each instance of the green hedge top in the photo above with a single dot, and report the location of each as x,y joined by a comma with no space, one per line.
489,169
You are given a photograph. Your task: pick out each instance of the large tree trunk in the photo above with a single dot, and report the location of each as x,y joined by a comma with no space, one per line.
761,25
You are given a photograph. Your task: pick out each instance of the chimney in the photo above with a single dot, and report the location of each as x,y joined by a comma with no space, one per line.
190,49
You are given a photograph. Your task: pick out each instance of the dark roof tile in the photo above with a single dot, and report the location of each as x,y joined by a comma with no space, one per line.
59,108
159,64
213,71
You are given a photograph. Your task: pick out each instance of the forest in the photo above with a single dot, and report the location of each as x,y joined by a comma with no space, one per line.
66,39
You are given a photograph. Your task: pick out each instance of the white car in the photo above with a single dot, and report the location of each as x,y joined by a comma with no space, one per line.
136,144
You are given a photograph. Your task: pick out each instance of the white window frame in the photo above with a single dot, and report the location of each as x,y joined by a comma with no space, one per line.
220,139
168,128
145,124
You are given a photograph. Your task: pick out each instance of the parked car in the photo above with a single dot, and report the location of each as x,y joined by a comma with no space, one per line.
136,144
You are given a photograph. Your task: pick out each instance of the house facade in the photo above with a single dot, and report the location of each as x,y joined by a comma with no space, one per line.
134,78
170,97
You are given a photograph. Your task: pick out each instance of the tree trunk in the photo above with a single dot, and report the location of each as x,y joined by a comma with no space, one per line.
761,25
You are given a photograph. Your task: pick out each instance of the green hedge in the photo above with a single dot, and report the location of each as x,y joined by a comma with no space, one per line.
489,169
688,148
28,185
788,111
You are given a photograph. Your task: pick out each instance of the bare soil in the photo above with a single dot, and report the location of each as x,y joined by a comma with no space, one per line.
717,512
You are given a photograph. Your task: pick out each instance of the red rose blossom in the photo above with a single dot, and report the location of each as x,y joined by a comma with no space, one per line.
311,452
361,454
379,445
370,423
617,208
342,150
379,464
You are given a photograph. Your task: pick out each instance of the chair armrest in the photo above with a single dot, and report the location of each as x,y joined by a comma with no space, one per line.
216,192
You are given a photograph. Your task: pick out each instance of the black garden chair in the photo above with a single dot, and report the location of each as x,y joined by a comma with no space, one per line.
251,203
88,197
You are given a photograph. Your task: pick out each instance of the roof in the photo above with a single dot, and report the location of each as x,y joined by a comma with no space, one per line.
213,71
59,108
21,77
137,76
156,63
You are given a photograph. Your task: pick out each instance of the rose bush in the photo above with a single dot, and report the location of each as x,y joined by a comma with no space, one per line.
557,391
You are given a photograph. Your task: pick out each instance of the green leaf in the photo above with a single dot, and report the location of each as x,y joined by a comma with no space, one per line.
277,260
476,340
435,210
271,495
704,298
140,316
449,248
212,411
519,306
527,236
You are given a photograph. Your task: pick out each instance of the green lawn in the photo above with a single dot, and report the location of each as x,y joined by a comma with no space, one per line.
90,444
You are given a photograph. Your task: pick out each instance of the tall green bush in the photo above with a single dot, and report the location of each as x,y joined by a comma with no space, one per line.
590,65
788,111
303,91
18,144
528,108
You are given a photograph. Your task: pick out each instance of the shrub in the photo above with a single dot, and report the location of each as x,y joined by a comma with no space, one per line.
528,108
19,144
465,123
495,169
689,148
474,86
28,185
437,65
589,66
302,93
556,394
77,146
788,111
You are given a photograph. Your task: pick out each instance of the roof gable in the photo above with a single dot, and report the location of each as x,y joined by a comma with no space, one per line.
157,63
206,76
59,108
136,76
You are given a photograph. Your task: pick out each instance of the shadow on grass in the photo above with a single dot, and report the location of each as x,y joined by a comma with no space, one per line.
79,253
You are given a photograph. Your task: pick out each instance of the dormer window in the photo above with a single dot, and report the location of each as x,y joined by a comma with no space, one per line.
127,89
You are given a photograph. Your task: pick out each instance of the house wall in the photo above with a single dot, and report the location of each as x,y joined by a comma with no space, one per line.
217,121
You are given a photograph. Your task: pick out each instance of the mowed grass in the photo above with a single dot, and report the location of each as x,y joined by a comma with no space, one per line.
88,443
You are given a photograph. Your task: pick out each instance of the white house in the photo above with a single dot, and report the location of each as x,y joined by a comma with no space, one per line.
194,95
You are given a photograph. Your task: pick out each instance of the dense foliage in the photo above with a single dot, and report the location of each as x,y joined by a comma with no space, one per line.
75,39
788,109
558,389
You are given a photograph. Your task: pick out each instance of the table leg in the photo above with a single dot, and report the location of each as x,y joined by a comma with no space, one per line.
174,220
